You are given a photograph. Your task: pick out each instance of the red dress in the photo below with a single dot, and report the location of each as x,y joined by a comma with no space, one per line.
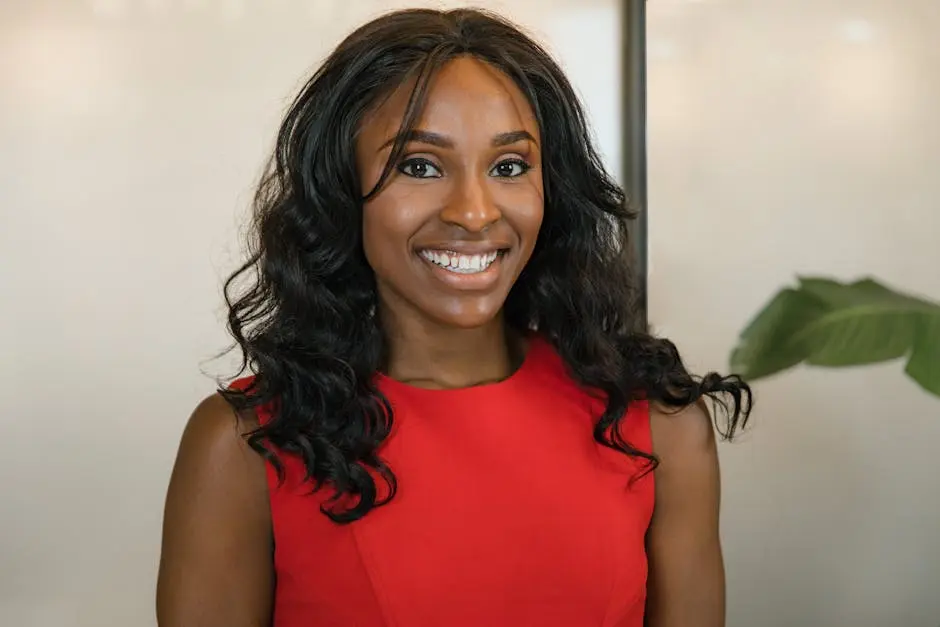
508,513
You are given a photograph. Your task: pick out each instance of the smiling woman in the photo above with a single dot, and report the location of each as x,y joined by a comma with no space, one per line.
455,414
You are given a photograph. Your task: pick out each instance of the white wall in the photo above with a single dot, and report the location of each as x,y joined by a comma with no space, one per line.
132,132
804,137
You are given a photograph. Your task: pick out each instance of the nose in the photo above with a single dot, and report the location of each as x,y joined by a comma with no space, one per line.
471,206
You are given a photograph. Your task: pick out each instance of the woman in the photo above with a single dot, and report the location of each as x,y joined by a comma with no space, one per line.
455,418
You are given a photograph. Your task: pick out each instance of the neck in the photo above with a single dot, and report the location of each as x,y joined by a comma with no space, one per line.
430,356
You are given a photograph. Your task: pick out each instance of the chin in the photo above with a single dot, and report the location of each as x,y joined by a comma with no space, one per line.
467,316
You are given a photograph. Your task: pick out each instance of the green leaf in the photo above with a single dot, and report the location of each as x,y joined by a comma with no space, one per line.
826,323
924,363
766,347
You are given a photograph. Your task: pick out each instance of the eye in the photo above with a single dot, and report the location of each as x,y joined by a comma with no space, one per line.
510,168
419,169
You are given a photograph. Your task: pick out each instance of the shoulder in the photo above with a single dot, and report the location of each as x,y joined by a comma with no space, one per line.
686,584
679,432
214,459
688,484
687,474
686,580
215,464
215,429
215,557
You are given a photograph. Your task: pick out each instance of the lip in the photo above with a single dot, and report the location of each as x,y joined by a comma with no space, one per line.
477,282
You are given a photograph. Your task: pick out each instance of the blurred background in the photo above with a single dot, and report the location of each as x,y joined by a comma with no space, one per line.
783,138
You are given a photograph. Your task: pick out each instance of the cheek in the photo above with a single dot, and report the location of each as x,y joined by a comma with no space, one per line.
388,223
528,215
535,219
379,236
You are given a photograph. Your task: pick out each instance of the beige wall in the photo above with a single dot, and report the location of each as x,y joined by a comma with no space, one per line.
127,158
804,137
131,134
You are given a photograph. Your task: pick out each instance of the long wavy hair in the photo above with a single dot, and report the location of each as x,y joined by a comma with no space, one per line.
301,308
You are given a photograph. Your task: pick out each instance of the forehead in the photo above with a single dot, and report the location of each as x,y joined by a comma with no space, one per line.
464,95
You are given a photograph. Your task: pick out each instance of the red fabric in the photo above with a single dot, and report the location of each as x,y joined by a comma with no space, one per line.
507,514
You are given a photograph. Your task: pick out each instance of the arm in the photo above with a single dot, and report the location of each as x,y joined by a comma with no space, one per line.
686,582
216,567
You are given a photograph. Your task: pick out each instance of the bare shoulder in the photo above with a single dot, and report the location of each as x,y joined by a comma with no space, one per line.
214,453
216,562
214,429
680,431
686,581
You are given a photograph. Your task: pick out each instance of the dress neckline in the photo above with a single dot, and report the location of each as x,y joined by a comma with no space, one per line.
536,345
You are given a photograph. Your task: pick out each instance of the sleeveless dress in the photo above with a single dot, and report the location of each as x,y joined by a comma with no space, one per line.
508,513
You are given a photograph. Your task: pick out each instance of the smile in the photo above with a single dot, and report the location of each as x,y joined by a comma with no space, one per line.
459,263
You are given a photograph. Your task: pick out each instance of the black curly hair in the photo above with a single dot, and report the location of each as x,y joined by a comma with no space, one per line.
301,308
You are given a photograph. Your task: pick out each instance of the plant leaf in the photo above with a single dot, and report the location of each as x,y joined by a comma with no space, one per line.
924,363
826,323
867,323
765,347
840,295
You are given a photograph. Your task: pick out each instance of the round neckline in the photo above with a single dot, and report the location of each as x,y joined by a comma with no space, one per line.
535,345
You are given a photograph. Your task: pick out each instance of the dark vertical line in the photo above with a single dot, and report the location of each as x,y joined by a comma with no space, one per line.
633,36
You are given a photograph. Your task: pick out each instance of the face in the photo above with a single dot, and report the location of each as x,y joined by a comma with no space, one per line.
456,221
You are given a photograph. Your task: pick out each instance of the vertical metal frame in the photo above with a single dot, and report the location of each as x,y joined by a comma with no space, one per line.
633,60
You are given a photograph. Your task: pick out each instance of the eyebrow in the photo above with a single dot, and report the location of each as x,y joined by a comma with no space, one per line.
441,141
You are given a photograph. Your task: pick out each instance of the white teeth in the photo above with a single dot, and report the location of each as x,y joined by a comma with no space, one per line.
461,264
